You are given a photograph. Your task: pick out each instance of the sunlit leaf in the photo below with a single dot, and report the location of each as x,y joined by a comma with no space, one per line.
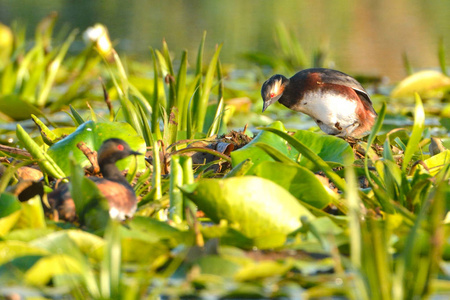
9,212
426,83
299,181
256,206
42,271
256,154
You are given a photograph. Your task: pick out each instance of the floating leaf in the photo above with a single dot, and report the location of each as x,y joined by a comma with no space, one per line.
256,206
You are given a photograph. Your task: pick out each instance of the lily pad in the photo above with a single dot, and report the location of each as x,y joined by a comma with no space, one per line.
93,134
255,206
299,181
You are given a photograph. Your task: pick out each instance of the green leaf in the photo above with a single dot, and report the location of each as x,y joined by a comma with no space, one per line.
46,268
32,215
17,108
93,134
9,212
310,155
256,206
416,135
299,181
45,161
427,84
13,249
256,154
436,162
329,148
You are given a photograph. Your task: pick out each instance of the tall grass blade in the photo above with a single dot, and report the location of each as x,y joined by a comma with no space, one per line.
407,65
155,101
198,72
176,209
76,116
53,69
215,126
416,135
111,263
181,92
156,177
441,54
200,113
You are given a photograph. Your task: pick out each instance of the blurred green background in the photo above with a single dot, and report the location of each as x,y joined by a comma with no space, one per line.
367,36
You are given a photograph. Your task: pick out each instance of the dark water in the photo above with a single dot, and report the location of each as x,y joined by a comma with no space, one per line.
364,36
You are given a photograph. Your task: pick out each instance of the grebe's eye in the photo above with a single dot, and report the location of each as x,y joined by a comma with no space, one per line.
272,95
120,147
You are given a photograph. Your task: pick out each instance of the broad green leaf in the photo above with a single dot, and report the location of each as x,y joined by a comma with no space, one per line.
12,249
310,155
46,268
17,108
14,270
416,135
28,234
257,155
155,231
32,215
437,162
427,84
71,242
330,148
299,181
262,270
255,206
217,265
10,211
93,134
8,204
